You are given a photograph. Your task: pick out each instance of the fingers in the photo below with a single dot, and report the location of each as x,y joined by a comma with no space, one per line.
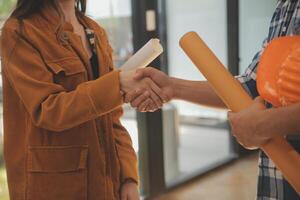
145,101
156,99
129,191
134,195
163,98
130,195
230,115
140,99
130,96
124,193
143,106
153,89
124,196
150,108
231,118
260,101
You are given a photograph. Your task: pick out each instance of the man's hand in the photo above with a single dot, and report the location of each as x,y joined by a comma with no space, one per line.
249,125
163,81
145,89
129,191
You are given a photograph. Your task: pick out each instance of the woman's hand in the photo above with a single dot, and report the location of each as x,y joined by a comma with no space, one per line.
163,81
129,191
249,126
145,89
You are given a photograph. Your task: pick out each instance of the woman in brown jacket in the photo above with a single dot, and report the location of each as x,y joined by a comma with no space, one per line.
63,139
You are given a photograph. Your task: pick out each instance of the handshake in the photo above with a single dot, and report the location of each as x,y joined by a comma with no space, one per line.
146,89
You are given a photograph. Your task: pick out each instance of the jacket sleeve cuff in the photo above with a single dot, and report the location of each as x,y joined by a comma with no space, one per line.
105,94
129,172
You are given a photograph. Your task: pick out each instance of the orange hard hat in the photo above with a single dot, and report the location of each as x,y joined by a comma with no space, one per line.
278,73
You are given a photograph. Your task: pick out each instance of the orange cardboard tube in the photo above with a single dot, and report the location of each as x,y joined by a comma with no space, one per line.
236,98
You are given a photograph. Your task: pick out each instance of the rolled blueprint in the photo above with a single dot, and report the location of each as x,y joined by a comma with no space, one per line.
144,56
235,97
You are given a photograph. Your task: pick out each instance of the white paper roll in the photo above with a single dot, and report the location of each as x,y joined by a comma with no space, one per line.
144,56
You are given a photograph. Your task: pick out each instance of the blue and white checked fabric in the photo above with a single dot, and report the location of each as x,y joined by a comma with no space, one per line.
285,21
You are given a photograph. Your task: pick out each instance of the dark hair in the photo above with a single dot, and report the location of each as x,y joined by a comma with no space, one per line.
25,8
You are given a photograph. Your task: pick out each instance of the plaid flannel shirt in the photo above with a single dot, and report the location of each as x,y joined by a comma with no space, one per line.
271,183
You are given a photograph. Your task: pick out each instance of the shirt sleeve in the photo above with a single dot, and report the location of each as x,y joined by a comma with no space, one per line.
248,78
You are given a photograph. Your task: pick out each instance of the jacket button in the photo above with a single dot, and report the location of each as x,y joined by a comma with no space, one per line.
65,36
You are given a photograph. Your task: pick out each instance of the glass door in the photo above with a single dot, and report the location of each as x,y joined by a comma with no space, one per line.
251,39
201,140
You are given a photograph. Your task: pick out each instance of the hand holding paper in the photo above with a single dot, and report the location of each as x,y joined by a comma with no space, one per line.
144,56
145,91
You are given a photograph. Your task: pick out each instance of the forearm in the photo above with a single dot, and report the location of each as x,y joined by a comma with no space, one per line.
198,92
284,120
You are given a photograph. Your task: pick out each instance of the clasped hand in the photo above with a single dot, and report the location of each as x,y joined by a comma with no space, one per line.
146,89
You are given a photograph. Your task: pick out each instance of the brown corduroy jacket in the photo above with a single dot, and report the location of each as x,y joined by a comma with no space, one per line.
62,136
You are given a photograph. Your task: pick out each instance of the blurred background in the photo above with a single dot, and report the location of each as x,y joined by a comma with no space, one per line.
185,151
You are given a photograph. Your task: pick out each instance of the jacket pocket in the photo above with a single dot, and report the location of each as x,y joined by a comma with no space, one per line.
58,173
69,72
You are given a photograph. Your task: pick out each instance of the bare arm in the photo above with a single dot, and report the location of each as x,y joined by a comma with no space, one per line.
198,92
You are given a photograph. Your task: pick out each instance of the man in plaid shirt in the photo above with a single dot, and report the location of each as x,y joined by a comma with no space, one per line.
285,21
254,125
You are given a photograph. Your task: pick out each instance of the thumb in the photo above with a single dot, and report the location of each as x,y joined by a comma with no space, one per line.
259,100
259,103
142,73
230,114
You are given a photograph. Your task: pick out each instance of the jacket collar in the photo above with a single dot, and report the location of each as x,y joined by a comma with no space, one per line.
49,18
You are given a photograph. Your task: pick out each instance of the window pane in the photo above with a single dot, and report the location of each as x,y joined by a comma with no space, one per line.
200,136
251,39
115,17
